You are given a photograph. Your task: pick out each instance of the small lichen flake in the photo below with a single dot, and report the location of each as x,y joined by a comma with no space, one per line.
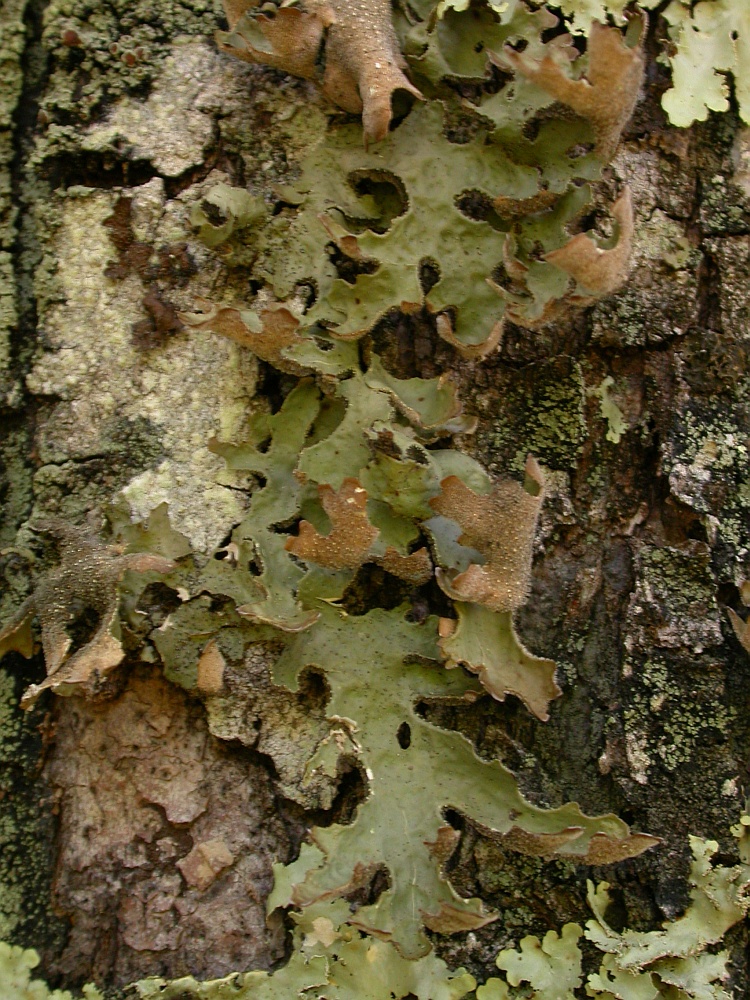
363,65
85,581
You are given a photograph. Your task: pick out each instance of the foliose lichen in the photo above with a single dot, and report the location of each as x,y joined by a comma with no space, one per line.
354,469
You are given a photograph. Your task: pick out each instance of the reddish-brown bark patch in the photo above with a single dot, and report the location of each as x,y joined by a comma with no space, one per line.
142,786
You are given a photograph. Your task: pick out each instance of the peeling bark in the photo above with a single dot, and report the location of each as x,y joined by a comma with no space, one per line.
165,842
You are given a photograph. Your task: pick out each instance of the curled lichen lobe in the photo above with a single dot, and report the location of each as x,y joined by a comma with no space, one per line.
85,581
361,65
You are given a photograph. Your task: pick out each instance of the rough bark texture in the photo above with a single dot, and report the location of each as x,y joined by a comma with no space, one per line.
639,410
152,810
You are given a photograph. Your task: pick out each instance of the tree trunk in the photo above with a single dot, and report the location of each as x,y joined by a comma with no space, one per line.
120,813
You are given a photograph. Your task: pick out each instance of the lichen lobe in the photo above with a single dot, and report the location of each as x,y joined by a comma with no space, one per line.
362,59
86,579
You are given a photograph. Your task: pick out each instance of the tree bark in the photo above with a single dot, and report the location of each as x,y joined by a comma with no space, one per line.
115,814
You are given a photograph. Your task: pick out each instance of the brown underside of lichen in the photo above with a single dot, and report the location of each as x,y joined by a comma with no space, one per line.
85,581
349,541
501,526
609,90
363,62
